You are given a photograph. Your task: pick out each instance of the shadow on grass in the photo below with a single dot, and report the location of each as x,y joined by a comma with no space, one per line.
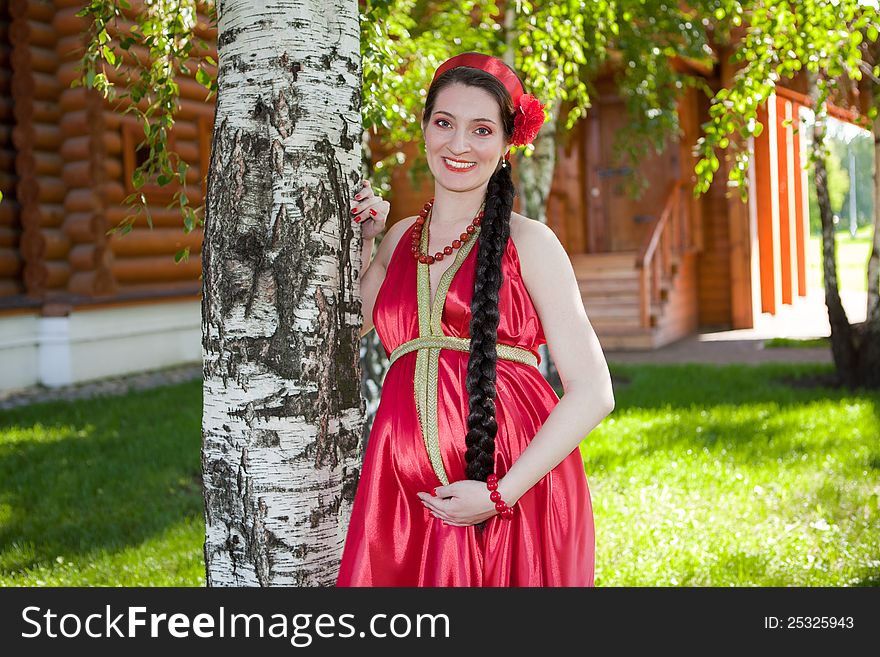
746,411
98,474
870,580
682,386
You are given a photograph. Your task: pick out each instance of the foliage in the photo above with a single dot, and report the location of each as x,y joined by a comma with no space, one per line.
830,38
402,43
157,48
558,47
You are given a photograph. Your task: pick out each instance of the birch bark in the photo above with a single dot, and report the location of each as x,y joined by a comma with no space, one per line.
281,311
855,347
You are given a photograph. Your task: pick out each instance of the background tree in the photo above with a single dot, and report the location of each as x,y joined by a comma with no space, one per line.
836,181
853,154
280,314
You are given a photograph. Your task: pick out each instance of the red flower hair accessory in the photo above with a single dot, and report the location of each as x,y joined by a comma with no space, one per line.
529,119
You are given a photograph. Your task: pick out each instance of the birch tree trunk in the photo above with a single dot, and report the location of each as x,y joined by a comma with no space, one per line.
536,179
281,312
535,173
869,363
855,348
841,332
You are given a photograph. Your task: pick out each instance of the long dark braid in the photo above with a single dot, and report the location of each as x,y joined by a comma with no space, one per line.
491,244
494,233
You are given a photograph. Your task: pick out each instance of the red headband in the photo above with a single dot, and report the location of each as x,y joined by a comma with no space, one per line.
529,111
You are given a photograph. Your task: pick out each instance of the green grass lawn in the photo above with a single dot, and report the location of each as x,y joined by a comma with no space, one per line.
702,475
103,492
852,260
798,343
720,476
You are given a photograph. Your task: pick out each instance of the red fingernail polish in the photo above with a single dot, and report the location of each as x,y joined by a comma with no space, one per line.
435,492
354,210
372,212
357,220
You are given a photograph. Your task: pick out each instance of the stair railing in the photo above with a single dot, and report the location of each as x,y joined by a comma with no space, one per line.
667,239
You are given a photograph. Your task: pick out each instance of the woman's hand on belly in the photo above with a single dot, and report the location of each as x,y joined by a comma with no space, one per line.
461,503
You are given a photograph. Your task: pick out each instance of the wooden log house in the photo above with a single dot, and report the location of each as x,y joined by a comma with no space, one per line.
77,304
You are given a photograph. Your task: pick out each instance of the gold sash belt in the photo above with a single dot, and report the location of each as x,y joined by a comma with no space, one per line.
505,351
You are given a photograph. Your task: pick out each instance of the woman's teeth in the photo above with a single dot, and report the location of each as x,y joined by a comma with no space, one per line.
458,165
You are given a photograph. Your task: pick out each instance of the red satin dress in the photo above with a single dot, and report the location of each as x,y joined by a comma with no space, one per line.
392,538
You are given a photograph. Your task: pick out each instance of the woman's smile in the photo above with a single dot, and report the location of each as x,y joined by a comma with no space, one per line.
458,165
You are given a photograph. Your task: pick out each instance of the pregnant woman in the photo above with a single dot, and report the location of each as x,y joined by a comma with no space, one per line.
472,473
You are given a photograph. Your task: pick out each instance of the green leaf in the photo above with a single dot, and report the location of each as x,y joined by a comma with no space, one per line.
202,77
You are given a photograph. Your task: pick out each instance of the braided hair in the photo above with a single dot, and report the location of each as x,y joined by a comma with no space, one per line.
491,244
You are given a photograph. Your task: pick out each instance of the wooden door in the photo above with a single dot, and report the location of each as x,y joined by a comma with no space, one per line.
618,221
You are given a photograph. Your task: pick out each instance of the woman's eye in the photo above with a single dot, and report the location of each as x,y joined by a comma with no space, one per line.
484,134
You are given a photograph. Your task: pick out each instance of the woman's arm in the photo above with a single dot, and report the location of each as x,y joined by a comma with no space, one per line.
575,349
373,275
370,210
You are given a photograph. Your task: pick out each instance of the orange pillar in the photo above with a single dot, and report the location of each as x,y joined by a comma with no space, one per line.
785,173
801,202
767,206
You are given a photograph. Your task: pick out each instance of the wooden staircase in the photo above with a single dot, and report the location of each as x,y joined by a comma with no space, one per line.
647,298
609,285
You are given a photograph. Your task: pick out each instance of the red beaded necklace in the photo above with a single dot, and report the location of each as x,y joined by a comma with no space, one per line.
437,257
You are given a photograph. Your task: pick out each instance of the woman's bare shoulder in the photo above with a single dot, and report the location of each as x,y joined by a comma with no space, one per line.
392,238
534,240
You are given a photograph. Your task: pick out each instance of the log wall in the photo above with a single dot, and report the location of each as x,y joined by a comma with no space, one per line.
68,155
11,265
